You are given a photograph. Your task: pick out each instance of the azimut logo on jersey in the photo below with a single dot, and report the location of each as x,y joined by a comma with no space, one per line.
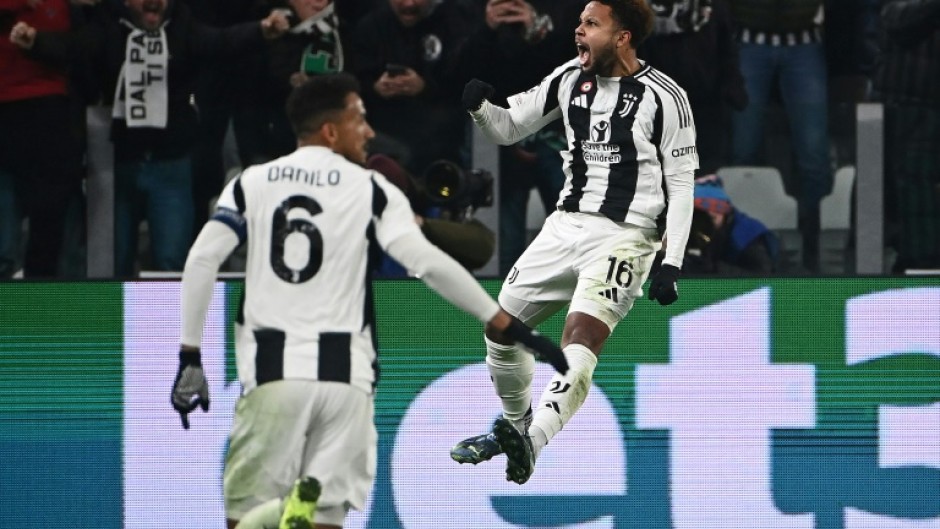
683,151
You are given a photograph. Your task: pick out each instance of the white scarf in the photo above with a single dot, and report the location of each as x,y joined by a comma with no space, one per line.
324,21
141,97
326,24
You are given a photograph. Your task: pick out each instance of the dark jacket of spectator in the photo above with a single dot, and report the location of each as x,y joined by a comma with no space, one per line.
431,123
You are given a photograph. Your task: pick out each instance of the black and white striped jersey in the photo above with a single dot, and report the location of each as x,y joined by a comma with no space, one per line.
624,135
311,219
313,222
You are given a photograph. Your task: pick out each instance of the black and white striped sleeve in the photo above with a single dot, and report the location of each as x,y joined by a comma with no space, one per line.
528,111
677,142
230,208
391,211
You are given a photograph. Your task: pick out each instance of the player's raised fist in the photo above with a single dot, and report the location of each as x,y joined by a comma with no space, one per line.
475,93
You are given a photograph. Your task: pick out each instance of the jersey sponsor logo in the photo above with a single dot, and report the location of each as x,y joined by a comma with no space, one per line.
600,132
599,157
683,151
599,147
629,100
600,152
580,101
586,86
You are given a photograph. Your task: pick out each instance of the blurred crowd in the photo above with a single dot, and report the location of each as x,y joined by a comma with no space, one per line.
169,84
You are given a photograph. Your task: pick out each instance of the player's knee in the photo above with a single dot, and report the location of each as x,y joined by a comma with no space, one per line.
496,337
585,330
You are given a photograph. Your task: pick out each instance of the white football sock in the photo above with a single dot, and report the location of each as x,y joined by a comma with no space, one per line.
511,371
563,396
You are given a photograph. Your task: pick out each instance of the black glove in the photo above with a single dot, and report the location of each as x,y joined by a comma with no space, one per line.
538,345
474,94
190,389
663,285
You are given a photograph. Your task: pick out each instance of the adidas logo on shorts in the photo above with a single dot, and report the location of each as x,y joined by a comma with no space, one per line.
610,293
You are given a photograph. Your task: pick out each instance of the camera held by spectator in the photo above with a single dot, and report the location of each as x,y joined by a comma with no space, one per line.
444,200
458,192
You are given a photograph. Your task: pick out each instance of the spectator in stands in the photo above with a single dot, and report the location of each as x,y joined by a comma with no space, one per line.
40,159
725,240
151,67
313,46
694,43
851,30
520,43
907,79
218,104
405,56
781,46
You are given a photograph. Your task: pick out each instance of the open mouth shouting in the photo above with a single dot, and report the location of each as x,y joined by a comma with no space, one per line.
584,54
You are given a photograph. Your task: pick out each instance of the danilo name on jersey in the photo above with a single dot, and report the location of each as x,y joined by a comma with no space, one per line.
287,173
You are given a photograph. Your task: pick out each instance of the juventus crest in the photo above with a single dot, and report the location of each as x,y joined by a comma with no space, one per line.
628,101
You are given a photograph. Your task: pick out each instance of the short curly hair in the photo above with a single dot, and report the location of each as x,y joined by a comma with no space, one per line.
317,100
635,16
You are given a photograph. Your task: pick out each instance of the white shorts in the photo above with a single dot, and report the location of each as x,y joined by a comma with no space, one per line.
596,264
291,428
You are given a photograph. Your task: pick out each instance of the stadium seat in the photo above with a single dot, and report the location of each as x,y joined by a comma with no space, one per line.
759,192
835,220
835,209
